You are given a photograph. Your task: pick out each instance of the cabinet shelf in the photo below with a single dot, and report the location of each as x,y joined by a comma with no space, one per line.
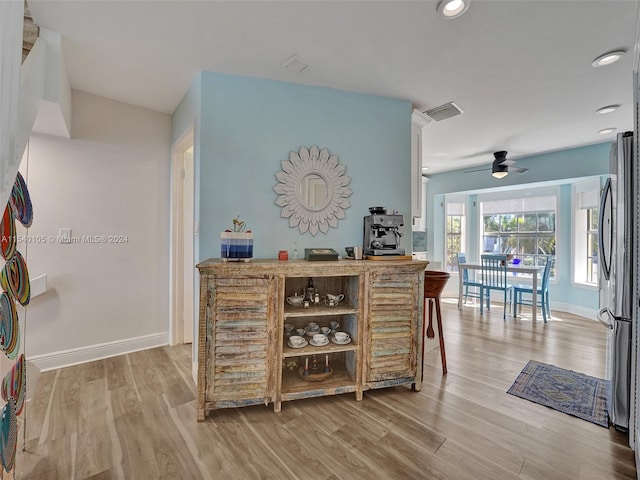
331,347
294,387
318,310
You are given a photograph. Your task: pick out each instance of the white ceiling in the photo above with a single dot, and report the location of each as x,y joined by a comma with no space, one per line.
520,69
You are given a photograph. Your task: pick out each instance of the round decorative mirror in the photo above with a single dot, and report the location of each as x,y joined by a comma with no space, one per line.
312,190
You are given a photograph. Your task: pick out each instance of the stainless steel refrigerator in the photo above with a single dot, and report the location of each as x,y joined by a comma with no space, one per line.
617,278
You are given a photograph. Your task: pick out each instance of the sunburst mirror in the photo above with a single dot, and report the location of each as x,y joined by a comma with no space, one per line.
312,190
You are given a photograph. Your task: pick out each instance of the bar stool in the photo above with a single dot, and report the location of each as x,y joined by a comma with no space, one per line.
434,283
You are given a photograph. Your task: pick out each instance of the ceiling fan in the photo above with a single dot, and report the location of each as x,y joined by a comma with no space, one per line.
501,166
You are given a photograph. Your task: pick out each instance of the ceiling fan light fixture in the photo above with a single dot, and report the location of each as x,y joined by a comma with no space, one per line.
500,174
453,8
608,58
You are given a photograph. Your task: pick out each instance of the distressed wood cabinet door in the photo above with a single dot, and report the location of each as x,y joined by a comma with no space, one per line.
393,327
240,339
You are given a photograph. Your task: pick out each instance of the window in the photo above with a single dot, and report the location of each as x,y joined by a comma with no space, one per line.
592,242
454,231
522,227
585,231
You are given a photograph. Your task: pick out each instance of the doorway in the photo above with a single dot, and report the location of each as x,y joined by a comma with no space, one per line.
183,235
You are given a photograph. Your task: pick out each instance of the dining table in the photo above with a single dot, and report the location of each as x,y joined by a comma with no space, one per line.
533,270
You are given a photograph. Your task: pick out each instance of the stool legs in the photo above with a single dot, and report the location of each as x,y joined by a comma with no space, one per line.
429,329
443,355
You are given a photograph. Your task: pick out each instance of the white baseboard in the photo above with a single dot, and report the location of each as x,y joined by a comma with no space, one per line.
575,309
75,356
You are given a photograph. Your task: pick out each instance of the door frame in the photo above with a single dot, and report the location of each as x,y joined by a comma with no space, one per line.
177,237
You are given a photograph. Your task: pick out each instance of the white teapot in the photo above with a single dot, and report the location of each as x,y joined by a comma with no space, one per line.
295,300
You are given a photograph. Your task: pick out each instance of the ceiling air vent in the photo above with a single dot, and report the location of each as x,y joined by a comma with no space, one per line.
443,112
296,64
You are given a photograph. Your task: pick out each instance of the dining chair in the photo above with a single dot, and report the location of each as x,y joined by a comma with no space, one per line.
494,277
542,294
466,283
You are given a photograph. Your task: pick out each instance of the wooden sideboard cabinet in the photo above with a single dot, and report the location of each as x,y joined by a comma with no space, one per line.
243,355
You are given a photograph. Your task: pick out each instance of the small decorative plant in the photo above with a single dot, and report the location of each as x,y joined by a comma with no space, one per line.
236,244
238,226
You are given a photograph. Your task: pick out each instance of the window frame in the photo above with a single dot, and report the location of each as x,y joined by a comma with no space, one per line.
457,205
585,196
525,195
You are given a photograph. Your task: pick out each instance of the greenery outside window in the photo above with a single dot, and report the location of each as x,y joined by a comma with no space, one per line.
523,227
454,234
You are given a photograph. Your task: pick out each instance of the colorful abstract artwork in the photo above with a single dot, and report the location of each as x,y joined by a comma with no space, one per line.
8,435
14,279
14,384
9,326
20,201
8,232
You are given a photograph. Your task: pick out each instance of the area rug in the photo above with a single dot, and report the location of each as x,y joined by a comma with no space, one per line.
567,391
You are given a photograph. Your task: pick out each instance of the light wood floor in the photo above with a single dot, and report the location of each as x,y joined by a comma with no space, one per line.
133,417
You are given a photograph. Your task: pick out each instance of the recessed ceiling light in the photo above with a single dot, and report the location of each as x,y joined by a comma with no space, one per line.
606,131
608,58
607,109
453,8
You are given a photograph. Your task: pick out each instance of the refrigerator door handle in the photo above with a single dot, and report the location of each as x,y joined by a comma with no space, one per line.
603,321
605,256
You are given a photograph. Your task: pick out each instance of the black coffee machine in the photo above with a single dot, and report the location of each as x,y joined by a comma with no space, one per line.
382,233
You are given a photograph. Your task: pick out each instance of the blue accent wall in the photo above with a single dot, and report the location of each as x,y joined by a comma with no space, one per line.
247,126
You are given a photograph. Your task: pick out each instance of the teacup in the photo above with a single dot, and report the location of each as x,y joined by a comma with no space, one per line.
296,340
301,332
325,330
319,339
335,299
295,300
340,336
313,327
288,328
334,325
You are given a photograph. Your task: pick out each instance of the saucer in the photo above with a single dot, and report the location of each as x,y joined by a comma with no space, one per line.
314,332
303,344
348,340
318,344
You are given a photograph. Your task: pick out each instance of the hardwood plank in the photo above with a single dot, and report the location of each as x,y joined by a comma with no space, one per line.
36,408
117,372
94,445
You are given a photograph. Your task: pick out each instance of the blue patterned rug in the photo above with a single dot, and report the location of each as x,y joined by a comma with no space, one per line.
567,391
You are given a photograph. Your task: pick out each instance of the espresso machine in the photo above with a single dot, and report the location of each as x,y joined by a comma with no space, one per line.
382,233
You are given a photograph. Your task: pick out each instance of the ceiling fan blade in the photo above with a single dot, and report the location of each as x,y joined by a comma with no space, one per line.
516,169
477,170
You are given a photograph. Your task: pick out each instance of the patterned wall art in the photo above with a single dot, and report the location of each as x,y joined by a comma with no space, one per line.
14,384
8,435
9,326
8,232
20,202
14,280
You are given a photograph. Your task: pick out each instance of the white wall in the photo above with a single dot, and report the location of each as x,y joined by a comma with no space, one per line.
110,179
